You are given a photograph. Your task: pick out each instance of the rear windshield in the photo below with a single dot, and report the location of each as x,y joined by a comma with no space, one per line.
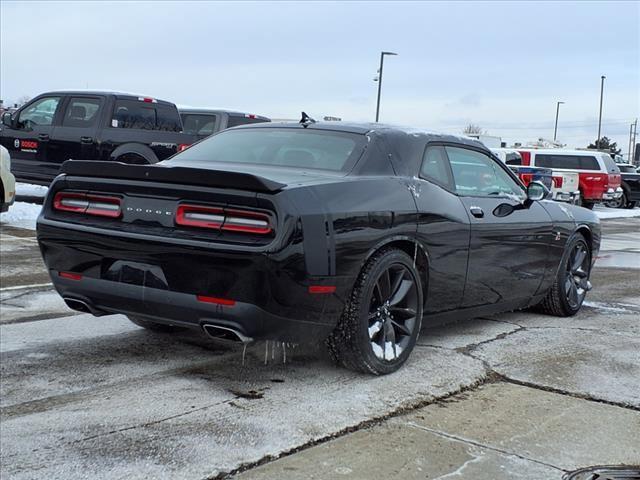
235,120
282,147
145,116
198,123
572,162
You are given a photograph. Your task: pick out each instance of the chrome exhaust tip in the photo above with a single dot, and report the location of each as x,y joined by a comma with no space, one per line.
82,306
225,333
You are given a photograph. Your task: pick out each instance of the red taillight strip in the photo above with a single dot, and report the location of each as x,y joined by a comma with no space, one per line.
227,302
322,289
99,205
70,275
227,219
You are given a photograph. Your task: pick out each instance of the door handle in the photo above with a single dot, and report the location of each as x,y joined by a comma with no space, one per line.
476,212
86,139
43,137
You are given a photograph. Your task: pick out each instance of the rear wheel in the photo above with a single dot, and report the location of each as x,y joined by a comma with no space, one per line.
132,159
618,203
565,297
154,326
381,322
631,205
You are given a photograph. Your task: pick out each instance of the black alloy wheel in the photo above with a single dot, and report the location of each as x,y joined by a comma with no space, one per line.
577,276
381,321
393,307
566,295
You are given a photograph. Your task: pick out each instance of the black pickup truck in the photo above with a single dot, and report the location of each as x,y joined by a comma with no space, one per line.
203,122
89,125
630,187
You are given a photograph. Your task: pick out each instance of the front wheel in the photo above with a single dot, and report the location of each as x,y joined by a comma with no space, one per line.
567,294
381,322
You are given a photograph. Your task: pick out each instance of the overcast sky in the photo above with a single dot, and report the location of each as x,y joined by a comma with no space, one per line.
501,65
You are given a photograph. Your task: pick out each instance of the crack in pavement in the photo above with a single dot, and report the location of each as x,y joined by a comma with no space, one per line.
481,445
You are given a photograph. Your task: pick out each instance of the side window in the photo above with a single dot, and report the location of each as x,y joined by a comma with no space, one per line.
168,118
81,112
39,113
130,114
435,167
476,174
589,163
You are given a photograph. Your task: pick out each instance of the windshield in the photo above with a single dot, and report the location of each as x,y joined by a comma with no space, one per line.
282,147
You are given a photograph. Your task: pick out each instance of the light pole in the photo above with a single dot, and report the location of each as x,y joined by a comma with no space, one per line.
600,117
379,80
555,130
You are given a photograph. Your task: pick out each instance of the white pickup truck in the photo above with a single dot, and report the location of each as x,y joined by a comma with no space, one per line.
564,186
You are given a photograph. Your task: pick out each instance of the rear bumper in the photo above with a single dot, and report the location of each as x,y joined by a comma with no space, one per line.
173,308
612,194
160,279
569,197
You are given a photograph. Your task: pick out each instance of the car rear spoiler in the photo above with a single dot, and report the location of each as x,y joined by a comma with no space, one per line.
166,174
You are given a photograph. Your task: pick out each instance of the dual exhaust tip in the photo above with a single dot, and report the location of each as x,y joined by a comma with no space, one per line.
214,331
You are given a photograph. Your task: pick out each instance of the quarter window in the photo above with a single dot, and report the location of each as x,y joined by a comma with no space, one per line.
435,167
81,112
39,113
476,174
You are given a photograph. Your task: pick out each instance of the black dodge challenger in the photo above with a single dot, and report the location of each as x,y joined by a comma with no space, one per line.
353,234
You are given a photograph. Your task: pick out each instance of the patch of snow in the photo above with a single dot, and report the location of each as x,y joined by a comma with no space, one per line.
604,212
30,190
22,215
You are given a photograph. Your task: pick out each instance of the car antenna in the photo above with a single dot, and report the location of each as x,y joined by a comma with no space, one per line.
306,120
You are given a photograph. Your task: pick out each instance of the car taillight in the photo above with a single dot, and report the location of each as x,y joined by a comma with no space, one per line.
99,205
557,182
183,146
217,218
526,178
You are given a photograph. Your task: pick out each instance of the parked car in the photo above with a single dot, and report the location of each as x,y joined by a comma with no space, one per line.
630,187
513,159
563,184
304,232
88,125
599,176
203,122
7,181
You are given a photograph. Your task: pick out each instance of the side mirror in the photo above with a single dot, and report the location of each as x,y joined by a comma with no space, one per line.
537,191
6,119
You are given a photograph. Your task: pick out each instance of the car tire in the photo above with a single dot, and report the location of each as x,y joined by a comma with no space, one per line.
618,203
588,205
631,205
381,321
154,326
133,159
571,285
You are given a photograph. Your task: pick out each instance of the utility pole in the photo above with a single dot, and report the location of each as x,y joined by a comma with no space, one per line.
632,150
379,80
600,117
555,130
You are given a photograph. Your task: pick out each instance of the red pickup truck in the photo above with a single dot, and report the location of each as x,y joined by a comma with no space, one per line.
600,179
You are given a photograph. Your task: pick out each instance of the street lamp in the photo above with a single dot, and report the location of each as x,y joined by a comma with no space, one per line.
555,130
600,117
379,80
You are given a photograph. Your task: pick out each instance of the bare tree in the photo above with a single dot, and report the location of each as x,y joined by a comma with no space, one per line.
472,129
23,99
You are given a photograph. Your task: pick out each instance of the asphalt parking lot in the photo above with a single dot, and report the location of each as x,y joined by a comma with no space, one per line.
518,396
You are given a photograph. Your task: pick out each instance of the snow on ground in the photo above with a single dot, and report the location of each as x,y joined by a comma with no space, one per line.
22,215
27,189
604,212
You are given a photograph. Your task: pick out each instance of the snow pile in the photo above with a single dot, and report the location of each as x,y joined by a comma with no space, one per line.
22,215
29,190
604,212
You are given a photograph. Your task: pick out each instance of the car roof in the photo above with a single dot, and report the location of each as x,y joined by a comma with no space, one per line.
105,92
187,109
562,151
365,128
